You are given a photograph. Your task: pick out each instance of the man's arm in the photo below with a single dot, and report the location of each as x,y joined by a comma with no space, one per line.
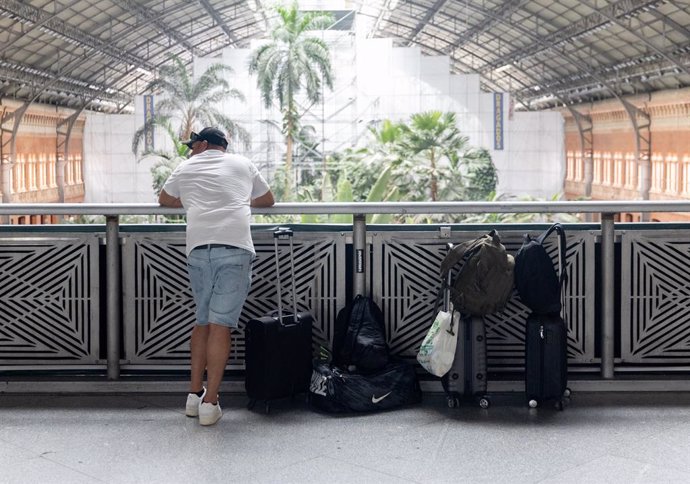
265,200
167,200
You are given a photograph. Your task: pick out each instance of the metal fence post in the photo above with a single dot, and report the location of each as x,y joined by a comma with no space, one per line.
608,295
359,245
113,292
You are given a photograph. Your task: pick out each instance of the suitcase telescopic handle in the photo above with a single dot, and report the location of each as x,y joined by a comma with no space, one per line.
282,233
446,292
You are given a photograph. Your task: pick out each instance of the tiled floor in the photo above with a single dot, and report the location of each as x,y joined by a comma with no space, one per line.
601,437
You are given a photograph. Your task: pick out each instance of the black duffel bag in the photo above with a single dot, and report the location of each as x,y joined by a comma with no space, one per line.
335,390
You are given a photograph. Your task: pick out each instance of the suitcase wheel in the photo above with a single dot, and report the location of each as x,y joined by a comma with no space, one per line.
251,404
560,405
533,404
453,402
484,403
267,408
566,392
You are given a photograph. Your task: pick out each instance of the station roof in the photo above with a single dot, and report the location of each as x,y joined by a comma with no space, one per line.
98,54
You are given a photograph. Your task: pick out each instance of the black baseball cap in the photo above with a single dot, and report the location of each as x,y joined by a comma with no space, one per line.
214,136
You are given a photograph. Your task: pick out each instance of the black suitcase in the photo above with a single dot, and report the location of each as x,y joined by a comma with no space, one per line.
546,360
546,353
467,377
278,346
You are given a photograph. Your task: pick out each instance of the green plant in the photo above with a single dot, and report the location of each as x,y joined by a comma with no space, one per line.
190,103
506,218
292,60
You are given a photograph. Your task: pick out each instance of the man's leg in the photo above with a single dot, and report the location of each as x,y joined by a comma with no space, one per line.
217,353
198,347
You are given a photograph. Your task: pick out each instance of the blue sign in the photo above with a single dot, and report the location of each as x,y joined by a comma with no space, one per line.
148,116
498,120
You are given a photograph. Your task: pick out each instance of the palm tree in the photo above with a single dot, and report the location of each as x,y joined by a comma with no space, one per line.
191,104
428,138
291,61
166,161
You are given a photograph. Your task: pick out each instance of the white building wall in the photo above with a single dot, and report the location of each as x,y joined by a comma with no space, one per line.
111,172
535,164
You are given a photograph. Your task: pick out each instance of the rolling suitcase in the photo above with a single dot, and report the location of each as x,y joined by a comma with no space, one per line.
546,349
467,376
278,356
546,360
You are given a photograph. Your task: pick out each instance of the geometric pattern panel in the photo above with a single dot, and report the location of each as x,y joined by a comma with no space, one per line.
158,310
406,282
655,297
160,313
49,299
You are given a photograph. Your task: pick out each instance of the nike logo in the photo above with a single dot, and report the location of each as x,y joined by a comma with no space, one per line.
375,399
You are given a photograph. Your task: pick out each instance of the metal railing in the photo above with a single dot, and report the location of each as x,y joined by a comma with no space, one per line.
606,210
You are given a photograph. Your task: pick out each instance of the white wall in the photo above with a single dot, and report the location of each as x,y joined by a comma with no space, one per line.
111,172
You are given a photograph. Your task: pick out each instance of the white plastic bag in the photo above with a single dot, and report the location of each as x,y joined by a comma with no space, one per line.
437,352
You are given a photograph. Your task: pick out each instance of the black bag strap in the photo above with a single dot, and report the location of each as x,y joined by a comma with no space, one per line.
560,231
356,316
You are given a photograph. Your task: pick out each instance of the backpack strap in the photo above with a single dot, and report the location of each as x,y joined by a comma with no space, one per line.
466,249
560,231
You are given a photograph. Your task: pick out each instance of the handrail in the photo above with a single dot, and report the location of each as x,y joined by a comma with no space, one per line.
363,207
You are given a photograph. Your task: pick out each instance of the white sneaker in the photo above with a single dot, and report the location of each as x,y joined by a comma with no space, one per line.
209,413
193,402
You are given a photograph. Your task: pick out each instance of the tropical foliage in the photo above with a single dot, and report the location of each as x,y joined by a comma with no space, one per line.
425,158
186,104
505,218
291,62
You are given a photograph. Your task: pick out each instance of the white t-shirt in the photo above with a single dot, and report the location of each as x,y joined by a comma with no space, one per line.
215,189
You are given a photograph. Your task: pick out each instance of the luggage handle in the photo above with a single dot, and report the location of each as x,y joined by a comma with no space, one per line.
446,292
283,233
562,246
285,314
443,296
558,228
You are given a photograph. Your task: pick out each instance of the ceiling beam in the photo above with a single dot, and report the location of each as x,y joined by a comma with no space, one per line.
37,79
583,27
491,17
219,20
56,27
614,18
427,18
146,15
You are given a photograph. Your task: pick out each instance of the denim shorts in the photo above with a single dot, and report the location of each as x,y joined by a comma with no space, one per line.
220,276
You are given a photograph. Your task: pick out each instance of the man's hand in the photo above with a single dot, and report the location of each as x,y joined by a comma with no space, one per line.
167,200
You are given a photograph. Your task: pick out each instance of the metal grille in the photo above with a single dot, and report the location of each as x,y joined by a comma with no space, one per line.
406,278
49,294
655,297
159,308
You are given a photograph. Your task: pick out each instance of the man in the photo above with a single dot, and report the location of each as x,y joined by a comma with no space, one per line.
217,190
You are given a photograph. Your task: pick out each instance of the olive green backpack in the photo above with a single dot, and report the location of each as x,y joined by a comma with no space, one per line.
484,282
